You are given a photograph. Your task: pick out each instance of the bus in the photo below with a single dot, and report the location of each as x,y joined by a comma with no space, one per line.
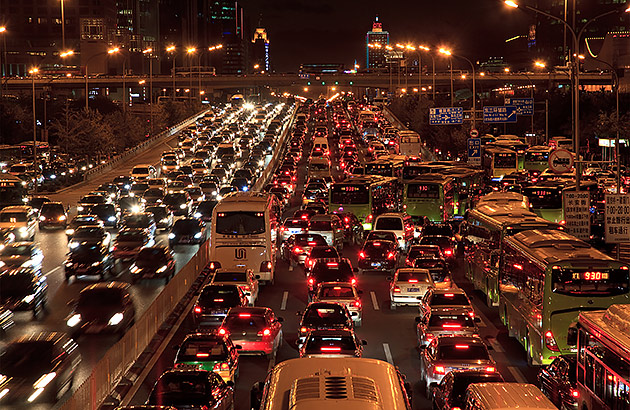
9,154
498,162
537,159
546,197
389,166
484,229
467,184
366,196
244,233
429,195
561,143
513,199
547,278
515,145
603,359
13,191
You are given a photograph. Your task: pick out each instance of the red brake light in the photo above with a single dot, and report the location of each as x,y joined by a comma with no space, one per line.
203,355
490,369
312,244
377,244
353,281
303,330
218,300
222,331
197,309
330,349
244,315
297,250
391,255
311,281
449,295
361,254
448,252
461,346
332,264
439,370
451,326
575,394
357,303
264,332
413,280
396,289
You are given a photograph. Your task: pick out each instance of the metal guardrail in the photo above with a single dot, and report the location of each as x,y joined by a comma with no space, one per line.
108,372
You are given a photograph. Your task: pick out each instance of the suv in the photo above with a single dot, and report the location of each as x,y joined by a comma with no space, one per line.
399,223
330,227
20,220
215,301
52,214
330,270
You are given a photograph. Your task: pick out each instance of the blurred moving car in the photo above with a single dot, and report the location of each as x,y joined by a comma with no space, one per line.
23,289
192,389
209,351
153,262
52,214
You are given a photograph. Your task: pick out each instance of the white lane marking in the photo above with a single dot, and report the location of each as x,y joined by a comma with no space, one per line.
285,297
388,353
520,378
374,301
496,345
52,271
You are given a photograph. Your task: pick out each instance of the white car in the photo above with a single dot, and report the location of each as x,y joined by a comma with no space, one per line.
330,227
398,223
408,285
144,171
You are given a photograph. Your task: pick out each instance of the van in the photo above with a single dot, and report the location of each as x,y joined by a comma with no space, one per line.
409,143
504,396
20,220
321,144
332,383
398,223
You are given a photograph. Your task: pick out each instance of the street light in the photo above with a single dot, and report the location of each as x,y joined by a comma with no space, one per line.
66,54
540,64
450,54
149,52
427,49
171,49
32,72
577,36
3,31
446,52
111,51
190,51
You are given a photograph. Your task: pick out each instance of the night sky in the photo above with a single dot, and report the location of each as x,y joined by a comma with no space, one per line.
303,31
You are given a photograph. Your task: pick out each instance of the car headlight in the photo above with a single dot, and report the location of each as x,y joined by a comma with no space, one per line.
162,269
27,264
28,298
79,208
126,186
69,231
116,319
53,176
62,218
182,206
44,380
214,193
74,320
198,235
23,230
96,263
42,218
164,167
135,209
134,269
73,245
197,215
171,236
164,220
111,218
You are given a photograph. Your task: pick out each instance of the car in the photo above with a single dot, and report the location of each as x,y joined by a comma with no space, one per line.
332,343
23,289
451,392
157,183
330,270
319,252
319,207
353,228
293,226
398,223
408,285
256,330
444,322
187,231
418,251
130,241
330,227
20,220
82,220
178,202
21,255
446,244
107,213
153,262
378,255
37,201
209,351
439,270
195,193
192,389
203,211
323,315
141,220
105,307
448,353
130,204
52,214
89,259
162,216
112,190
382,235
90,234
138,188
214,302
242,277
342,293
122,181
558,382
144,171
454,298
38,368
152,196
295,249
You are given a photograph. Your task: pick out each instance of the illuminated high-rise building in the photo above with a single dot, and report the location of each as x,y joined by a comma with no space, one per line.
260,51
375,42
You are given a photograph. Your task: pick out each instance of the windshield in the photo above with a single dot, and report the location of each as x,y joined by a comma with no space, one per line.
98,298
222,295
449,299
16,285
130,237
150,257
230,277
320,226
463,352
26,359
591,282
157,211
173,389
336,292
240,223
421,277
323,252
186,226
103,209
324,316
13,217
244,322
536,156
52,208
441,241
202,349
175,198
507,160
15,250
340,271
88,232
389,224
140,170
440,230
296,223
416,252
423,191
329,344
86,254
349,194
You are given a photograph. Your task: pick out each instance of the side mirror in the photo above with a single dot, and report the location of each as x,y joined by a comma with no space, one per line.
363,342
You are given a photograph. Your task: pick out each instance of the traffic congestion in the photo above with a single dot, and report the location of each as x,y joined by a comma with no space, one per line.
347,266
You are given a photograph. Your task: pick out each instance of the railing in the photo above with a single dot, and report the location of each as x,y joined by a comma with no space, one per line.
120,357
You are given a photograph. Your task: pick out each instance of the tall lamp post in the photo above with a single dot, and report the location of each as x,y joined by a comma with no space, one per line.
450,54
149,52
87,74
577,36
33,71
171,50
3,31
63,28
425,48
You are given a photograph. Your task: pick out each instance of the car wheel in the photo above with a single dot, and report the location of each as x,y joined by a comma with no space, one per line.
359,323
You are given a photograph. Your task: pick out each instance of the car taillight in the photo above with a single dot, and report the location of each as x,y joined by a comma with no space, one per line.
303,330
429,336
357,303
391,255
361,254
203,354
448,252
311,281
471,314
330,349
264,332
413,281
221,366
214,265
491,369
550,341
266,266
353,281
369,218
297,250
222,331
575,393
439,370
396,289
197,309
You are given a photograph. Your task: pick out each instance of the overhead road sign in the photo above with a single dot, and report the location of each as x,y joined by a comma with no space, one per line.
474,151
524,106
499,113
446,115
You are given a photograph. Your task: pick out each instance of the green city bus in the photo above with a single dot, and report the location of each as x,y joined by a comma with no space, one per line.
483,230
390,166
498,162
546,199
547,277
537,158
366,196
467,184
515,145
429,195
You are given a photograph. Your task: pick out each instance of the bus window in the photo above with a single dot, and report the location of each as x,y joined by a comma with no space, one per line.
240,223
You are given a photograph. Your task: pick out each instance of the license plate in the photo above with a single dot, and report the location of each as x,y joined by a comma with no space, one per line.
376,264
413,289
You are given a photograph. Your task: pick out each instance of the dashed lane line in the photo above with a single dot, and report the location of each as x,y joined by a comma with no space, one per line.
52,271
520,378
374,301
285,298
496,345
388,353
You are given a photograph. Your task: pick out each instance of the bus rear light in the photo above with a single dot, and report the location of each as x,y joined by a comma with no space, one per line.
550,341
266,266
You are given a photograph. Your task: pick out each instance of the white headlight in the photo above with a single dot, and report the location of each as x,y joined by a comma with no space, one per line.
27,264
171,236
182,206
197,215
96,263
44,380
134,269
162,269
28,298
69,231
116,319
135,209
198,235
22,230
74,320
111,218
73,245
79,208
